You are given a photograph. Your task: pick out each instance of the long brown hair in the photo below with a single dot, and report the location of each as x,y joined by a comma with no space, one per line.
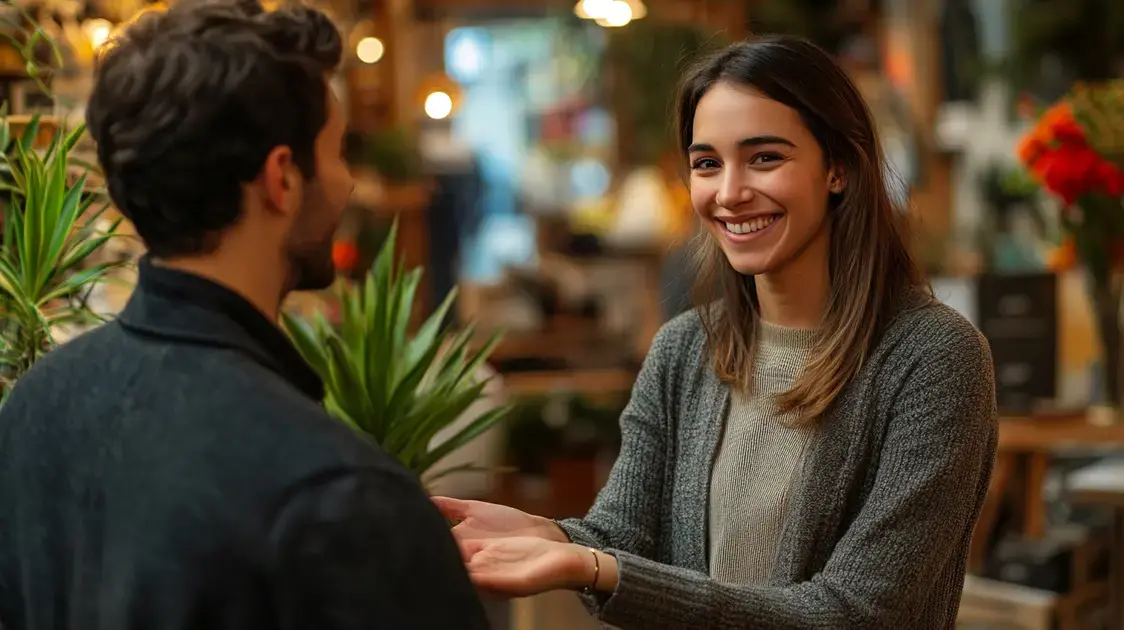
871,269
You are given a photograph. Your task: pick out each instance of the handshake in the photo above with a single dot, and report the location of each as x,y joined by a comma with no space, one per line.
510,553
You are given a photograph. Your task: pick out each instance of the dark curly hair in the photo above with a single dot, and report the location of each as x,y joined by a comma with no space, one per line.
187,104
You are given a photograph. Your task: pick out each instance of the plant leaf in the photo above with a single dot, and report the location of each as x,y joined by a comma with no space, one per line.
474,430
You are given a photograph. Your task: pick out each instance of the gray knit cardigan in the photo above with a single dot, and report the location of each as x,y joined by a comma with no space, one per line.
878,532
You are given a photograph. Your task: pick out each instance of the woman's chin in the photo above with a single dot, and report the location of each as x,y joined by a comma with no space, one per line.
749,266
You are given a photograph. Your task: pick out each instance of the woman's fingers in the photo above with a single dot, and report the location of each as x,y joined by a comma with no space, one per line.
455,509
469,547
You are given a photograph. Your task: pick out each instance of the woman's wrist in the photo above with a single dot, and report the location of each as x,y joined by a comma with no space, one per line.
552,531
591,570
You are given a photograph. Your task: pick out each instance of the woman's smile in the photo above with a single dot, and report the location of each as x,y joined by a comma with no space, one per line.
751,229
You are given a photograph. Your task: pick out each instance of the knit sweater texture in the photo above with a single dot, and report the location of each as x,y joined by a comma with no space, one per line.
759,460
879,527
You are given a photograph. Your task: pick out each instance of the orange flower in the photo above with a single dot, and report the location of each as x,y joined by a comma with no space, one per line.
1063,257
1057,124
1031,145
1061,113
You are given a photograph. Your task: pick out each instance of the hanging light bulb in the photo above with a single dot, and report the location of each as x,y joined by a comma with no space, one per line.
618,14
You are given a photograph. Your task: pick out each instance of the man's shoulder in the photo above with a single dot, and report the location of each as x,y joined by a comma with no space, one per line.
215,403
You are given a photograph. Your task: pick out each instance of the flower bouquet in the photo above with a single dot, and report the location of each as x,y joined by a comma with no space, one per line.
1075,151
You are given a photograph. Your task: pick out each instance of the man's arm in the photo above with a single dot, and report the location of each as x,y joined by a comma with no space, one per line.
366,549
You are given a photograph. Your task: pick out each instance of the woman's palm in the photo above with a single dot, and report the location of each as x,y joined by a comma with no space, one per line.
478,519
519,567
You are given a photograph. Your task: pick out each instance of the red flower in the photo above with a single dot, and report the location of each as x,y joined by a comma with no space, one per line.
1068,171
345,255
1057,154
1109,178
1069,132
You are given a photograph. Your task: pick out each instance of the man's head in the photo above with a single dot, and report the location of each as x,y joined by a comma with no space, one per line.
220,137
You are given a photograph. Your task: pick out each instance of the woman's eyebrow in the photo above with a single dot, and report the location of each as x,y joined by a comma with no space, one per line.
745,142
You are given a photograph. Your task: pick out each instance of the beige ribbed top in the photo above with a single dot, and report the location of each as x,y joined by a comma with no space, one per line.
758,462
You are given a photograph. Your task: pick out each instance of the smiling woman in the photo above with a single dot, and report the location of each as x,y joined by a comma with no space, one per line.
810,446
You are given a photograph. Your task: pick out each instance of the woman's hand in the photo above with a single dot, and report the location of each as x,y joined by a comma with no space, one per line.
478,519
519,567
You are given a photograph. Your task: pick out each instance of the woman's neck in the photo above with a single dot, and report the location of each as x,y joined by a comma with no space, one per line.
796,296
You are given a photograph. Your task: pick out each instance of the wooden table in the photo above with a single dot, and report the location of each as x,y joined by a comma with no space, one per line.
1049,433
1027,446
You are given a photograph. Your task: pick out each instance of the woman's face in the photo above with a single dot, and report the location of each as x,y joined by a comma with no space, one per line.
758,179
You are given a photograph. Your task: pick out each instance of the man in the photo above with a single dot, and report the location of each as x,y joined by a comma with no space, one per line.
174,469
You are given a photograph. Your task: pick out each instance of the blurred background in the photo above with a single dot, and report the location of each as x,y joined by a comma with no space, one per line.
524,147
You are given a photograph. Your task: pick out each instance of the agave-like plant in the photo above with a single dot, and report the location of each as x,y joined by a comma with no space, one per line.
49,224
399,389
50,232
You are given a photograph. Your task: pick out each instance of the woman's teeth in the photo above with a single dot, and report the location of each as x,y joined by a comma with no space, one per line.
753,225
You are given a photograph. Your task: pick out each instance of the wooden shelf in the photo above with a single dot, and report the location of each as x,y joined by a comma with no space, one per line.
590,382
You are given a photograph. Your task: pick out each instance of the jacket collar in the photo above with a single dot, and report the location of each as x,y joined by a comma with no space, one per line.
184,308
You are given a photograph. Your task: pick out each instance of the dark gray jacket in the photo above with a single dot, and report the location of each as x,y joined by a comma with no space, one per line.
174,470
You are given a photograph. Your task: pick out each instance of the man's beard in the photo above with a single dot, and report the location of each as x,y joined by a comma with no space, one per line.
311,267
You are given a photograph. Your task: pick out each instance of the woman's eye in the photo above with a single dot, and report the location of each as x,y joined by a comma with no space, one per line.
704,164
766,158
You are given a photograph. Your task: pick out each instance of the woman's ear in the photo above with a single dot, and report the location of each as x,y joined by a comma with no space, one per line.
836,182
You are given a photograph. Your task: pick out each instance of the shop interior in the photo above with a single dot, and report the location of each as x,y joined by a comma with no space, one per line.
518,153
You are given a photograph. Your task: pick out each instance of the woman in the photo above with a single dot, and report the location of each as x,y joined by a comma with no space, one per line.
811,449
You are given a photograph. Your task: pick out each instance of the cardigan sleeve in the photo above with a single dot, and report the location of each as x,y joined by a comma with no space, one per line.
626,514
916,522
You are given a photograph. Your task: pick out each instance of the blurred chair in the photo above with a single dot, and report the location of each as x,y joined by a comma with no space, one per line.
1102,484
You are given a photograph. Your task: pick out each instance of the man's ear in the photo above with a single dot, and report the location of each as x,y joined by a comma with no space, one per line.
280,180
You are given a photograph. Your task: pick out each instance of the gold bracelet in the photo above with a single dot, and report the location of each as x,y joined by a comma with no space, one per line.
596,571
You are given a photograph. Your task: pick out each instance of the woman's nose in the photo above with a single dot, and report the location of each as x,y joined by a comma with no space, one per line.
734,190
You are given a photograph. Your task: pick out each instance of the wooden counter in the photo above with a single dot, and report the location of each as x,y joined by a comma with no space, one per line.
1026,449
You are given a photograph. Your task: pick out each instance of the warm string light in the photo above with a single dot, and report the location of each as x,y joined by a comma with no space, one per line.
610,13
101,33
438,105
370,50
97,31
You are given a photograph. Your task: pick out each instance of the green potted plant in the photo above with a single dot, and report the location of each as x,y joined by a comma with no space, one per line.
50,233
400,389
50,230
